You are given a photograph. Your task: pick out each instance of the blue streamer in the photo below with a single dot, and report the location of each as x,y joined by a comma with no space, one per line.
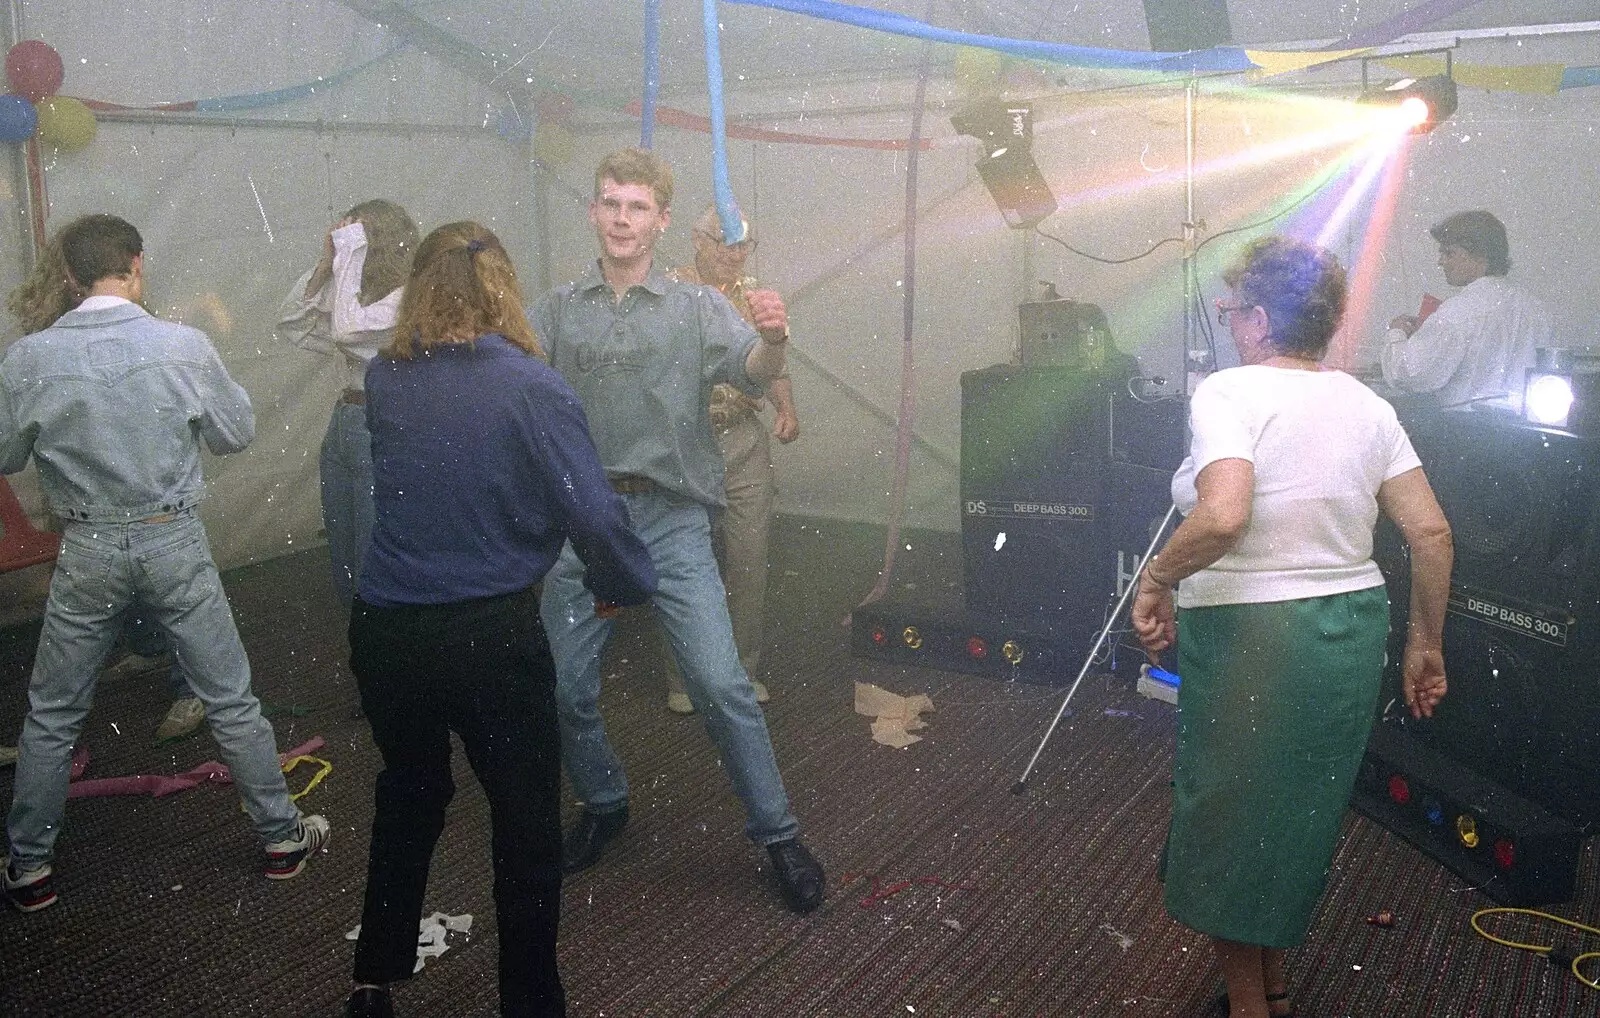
1222,58
652,72
727,208
259,100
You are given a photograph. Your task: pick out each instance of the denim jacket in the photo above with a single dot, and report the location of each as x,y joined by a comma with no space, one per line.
113,403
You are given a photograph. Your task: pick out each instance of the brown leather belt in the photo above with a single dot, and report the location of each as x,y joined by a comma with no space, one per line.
354,397
628,484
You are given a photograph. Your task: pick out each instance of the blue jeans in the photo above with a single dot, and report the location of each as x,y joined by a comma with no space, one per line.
346,469
102,570
144,637
693,609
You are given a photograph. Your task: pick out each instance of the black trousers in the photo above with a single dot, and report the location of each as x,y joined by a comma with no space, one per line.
483,670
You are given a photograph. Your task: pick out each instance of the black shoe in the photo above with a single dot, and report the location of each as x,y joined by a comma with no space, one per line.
369,1002
585,841
799,875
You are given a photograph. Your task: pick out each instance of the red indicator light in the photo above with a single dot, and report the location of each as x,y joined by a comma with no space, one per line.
977,648
1505,854
879,636
1399,791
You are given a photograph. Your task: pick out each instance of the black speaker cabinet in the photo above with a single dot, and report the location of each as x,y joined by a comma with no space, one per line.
1520,638
1514,850
1049,520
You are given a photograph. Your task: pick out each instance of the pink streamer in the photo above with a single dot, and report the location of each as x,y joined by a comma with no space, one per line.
159,784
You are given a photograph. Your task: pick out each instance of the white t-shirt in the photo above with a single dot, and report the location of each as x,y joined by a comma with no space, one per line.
1321,444
1475,346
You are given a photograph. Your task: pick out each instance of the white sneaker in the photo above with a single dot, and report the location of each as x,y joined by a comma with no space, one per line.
286,859
762,696
132,664
185,715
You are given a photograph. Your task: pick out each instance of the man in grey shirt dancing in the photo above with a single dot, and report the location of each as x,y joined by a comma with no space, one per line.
642,352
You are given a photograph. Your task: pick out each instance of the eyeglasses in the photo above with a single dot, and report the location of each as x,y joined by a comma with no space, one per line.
743,246
1224,310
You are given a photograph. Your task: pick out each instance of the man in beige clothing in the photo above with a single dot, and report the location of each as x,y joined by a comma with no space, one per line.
750,483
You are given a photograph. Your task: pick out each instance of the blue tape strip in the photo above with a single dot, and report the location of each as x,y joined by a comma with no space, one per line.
1222,58
652,72
727,207
1580,77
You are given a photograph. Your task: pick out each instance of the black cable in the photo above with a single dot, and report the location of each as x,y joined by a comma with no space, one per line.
1252,226
1109,261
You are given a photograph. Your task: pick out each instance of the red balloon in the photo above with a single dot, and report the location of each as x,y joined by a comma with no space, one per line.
34,69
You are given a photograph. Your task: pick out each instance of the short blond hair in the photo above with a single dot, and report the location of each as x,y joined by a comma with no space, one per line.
637,166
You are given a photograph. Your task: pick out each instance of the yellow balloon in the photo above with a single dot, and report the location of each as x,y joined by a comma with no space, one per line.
66,123
553,144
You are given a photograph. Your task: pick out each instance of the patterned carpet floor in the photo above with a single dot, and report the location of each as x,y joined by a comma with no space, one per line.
949,897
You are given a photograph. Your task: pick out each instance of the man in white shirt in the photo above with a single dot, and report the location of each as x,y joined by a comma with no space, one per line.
1477,344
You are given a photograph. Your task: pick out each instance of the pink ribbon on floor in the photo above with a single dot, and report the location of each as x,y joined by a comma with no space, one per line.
161,784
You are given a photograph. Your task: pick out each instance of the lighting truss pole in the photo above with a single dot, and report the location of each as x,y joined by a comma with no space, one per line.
1191,327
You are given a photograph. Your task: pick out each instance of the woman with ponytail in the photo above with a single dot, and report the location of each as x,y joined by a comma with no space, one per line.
484,469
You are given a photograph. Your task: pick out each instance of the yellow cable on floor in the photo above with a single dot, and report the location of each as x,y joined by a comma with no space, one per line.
1543,949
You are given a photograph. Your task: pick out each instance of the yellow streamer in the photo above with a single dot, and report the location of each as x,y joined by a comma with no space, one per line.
1544,949
1270,63
324,768
1533,79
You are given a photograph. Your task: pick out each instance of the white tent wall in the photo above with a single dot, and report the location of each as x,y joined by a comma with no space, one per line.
825,215
232,215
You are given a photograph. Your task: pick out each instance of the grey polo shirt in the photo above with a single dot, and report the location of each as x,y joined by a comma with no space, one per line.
644,368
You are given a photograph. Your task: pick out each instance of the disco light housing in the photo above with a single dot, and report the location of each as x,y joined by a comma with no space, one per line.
1424,103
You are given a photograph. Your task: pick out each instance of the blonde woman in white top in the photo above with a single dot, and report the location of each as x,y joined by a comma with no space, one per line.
345,307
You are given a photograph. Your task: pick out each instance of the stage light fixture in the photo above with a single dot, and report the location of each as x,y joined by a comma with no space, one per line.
1547,398
977,648
1011,650
1422,103
1005,164
912,637
1467,830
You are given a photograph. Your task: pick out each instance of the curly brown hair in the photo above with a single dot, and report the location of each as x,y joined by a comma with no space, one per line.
1300,286
47,293
391,242
462,286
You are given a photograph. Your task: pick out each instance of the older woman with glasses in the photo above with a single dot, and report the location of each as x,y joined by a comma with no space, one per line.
1281,617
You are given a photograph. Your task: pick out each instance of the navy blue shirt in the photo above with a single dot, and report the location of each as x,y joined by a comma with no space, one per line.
483,468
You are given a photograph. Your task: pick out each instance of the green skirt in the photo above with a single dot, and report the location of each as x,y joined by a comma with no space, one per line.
1274,710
